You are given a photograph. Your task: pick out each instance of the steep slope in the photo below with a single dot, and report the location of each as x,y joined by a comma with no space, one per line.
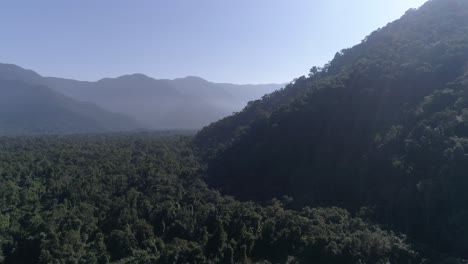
185,103
29,109
14,72
384,125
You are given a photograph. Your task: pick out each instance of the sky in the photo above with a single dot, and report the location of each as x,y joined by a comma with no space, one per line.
237,41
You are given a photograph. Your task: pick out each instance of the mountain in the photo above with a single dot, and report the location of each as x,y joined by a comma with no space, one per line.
223,95
185,103
14,72
32,109
384,126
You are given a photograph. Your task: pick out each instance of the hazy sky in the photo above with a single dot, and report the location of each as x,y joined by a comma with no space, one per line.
239,41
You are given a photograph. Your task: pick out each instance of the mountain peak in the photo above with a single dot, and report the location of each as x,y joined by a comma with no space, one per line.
135,76
129,77
15,72
191,78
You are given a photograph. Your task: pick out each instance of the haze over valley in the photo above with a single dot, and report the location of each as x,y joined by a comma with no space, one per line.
124,103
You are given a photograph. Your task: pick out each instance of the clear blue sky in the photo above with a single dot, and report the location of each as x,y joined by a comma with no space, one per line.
238,41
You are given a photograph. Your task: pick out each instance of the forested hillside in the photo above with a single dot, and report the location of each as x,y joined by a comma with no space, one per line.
139,198
383,125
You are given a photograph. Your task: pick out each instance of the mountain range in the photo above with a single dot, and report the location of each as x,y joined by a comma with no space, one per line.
37,109
185,103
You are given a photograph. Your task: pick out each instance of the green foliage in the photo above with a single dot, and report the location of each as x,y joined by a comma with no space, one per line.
140,199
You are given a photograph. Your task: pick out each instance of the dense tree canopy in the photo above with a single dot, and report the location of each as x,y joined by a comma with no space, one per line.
140,199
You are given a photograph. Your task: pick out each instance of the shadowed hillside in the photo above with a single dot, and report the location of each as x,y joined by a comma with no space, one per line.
383,125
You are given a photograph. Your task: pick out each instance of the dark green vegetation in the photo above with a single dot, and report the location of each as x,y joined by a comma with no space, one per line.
140,199
381,131
185,103
33,109
383,125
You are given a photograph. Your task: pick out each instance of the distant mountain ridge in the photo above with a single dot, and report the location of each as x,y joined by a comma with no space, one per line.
183,103
37,109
